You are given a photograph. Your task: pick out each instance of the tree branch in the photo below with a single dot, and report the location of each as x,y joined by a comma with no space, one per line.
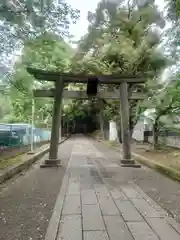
161,113
129,9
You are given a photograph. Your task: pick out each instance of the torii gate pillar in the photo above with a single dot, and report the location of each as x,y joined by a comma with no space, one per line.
125,128
53,160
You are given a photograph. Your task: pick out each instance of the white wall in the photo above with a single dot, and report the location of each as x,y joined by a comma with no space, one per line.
113,134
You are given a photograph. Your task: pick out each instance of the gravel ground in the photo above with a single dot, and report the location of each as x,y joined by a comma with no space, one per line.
27,201
161,189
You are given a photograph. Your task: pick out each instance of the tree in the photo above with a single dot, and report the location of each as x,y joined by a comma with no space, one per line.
27,19
80,113
121,40
32,17
173,9
165,102
5,105
48,52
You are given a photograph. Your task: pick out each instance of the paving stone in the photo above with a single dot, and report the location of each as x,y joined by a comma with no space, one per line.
75,160
130,192
117,228
141,230
83,161
108,206
97,180
95,235
88,196
101,190
92,218
73,188
70,228
163,229
103,161
173,223
74,177
144,208
116,194
87,185
151,202
72,205
128,211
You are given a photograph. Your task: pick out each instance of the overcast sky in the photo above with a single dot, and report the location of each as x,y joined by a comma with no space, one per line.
84,6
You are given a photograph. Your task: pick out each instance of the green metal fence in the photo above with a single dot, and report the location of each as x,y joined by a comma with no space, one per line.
12,135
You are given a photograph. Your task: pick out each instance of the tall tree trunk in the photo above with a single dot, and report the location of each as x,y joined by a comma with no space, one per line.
131,125
155,134
74,126
120,135
101,118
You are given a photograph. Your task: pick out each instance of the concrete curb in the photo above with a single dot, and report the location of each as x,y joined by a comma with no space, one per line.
168,171
53,227
24,165
52,230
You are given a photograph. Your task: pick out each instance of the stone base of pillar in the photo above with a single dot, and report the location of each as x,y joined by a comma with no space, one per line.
51,163
130,163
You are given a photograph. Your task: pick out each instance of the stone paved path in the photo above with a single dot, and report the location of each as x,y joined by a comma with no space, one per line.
92,205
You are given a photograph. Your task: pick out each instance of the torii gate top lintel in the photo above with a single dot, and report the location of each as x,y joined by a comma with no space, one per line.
40,74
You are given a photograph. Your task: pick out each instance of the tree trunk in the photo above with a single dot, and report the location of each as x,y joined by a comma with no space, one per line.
131,126
74,126
146,134
120,135
155,135
101,118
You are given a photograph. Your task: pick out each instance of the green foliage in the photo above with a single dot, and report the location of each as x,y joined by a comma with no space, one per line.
120,40
48,52
165,100
173,9
27,19
78,110
173,33
5,105
74,109
32,17
178,8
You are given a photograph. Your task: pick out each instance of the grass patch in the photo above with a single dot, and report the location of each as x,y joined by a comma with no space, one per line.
168,157
19,157
10,161
169,172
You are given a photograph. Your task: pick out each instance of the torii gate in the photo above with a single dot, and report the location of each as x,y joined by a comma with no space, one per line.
58,93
